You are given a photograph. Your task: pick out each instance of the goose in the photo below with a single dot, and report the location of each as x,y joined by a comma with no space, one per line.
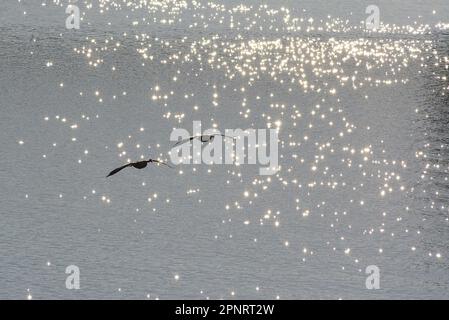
203,138
137,165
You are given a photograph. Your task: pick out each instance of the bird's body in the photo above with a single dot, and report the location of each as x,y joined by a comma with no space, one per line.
137,165
140,164
207,138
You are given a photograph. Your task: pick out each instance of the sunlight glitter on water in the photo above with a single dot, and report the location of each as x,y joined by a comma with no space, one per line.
273,67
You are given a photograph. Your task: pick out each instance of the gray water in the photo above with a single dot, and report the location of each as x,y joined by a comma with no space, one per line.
363,179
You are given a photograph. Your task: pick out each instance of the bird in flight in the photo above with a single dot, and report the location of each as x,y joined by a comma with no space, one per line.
137,165
203,138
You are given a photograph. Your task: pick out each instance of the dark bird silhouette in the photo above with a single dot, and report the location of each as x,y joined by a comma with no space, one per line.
137,165
203,138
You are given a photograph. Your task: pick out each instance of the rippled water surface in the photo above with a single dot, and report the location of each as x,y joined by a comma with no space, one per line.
363,128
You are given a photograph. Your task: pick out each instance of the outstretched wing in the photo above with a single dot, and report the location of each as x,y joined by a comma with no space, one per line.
183,141
118,169
225,136
160,162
